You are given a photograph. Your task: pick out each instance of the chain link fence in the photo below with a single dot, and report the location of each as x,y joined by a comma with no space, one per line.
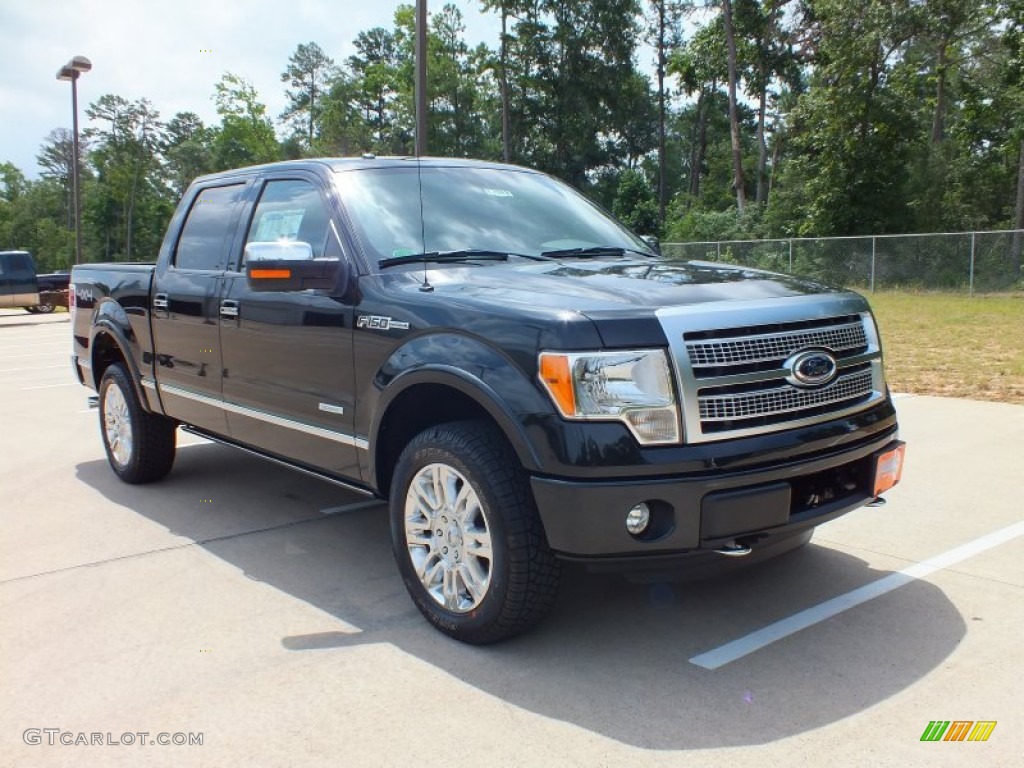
968,262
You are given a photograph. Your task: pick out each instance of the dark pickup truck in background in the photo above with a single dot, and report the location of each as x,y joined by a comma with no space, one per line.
524,379
21,287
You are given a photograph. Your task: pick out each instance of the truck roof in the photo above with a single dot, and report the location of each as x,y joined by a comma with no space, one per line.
361,163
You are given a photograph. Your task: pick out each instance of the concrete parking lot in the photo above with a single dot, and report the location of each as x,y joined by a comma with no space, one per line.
262,610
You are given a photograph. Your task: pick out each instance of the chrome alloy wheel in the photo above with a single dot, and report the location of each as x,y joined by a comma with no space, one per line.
117,425
448,537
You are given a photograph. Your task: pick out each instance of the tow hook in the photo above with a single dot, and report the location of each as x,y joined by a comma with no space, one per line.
734,549
878,501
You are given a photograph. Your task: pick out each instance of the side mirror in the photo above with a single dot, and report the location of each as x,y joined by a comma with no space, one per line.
288,265
652,242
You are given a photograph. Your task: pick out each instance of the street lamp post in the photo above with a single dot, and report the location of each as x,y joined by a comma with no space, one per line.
71,71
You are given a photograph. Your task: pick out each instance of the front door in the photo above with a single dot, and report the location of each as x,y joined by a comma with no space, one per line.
288,382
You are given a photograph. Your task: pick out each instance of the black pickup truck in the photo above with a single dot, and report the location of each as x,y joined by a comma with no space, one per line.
524,379
20,286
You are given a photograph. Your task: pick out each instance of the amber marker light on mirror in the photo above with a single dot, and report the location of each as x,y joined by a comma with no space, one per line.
270,274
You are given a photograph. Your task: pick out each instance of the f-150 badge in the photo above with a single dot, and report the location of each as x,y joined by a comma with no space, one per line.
377,323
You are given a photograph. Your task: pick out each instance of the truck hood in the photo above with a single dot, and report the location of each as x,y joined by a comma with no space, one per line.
614,286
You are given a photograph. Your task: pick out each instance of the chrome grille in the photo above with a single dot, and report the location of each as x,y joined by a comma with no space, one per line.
730,361
774,346
784,399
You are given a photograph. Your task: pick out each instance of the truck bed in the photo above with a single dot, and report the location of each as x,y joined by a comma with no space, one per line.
116,295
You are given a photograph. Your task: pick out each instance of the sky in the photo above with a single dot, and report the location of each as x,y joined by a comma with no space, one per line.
171,52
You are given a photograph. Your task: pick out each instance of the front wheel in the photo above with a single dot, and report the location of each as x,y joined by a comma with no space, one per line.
467,537
140,446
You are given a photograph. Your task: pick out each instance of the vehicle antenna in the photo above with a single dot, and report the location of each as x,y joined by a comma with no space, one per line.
426,287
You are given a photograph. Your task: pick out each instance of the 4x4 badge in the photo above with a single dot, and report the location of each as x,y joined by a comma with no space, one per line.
378,323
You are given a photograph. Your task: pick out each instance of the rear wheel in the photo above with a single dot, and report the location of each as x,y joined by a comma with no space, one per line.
45,306
140,446
467,537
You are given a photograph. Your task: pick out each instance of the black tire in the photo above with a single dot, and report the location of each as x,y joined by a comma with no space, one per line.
149,453
32,310
523,572
45,307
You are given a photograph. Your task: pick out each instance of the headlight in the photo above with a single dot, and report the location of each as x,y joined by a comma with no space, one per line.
632,386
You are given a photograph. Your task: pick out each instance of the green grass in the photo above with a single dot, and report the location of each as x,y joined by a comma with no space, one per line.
953,346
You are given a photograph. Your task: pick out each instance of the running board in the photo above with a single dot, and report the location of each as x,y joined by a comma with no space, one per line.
298,467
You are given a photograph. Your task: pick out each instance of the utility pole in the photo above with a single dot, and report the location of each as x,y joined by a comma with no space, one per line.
421,78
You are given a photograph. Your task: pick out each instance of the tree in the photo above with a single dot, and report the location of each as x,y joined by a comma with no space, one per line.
187,148
734,122
666,35
382,84
851,131
56,157
128,171
700,65
245,135
310,73
635,204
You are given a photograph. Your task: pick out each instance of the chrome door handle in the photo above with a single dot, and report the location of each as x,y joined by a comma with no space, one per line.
160,301
229,308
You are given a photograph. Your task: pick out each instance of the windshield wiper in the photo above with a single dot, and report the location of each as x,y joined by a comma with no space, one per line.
591,252
464,254
467,254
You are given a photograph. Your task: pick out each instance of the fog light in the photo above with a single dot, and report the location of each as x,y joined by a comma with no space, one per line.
638,519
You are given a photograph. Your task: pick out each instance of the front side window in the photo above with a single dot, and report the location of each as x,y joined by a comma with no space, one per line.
290,210
399,211
208,229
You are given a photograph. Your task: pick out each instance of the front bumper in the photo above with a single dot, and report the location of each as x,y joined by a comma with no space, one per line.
695,514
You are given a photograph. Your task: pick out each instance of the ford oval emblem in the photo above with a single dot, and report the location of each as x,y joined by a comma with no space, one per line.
811,368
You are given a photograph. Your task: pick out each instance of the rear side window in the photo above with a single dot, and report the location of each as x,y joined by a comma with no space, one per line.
15,263
210,224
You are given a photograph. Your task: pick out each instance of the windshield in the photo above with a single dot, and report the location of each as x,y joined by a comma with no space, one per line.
492,209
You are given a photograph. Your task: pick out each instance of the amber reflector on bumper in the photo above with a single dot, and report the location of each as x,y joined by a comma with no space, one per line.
889,469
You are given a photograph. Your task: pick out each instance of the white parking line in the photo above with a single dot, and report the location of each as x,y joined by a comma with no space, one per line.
51,386
36,337
351,507
55,355
40,368
743,646
61,343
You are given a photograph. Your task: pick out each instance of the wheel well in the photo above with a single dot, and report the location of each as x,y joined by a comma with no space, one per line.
105,352
419,407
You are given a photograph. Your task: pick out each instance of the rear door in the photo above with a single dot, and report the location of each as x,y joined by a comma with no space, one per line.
186,307
288,381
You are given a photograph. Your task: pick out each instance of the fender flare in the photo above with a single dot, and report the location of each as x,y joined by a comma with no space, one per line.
107,325
466,384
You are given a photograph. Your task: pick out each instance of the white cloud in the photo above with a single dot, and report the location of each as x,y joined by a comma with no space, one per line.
143,48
